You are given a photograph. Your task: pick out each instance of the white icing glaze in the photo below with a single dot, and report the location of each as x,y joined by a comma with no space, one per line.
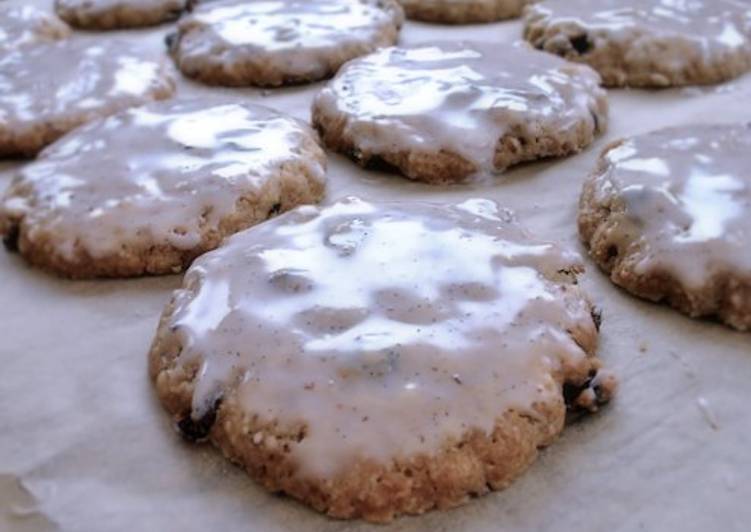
687,195
72,81
26,25
461,97
275,25
711,27
273,43
386,328
164,173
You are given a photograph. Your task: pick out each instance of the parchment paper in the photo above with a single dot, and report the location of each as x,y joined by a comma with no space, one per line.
84,445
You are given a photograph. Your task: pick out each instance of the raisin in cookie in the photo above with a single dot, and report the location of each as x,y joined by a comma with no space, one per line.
439,112
463,11
47,90
374,360
28,25
668,216
647,43
271,43
114,14
148,190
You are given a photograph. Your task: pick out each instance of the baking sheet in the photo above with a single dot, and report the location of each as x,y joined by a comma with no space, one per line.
84,444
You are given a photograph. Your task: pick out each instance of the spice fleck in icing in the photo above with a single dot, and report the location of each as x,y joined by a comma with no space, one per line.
462,98
647,42
181,173
47,90
386,329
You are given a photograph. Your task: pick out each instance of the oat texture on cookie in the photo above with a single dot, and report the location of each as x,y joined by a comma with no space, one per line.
28,25
48,89
149,189
463,11
431,367
668,216
647,43
116,14
440,112
272,43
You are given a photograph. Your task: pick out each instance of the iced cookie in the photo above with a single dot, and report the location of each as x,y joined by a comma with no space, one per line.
111,14
373,360
647,43
272,43
47,90
440,112
28,25
668,216
463,11
151,188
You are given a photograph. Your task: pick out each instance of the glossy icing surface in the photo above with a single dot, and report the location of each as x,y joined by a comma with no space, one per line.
71,79
163,173
687,197
462,97
25,25
275,25
716,25
436,320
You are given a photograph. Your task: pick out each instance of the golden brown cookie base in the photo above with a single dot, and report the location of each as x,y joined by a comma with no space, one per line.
442,167
294,185
601,227
468,467
468,12
122,16
619,67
